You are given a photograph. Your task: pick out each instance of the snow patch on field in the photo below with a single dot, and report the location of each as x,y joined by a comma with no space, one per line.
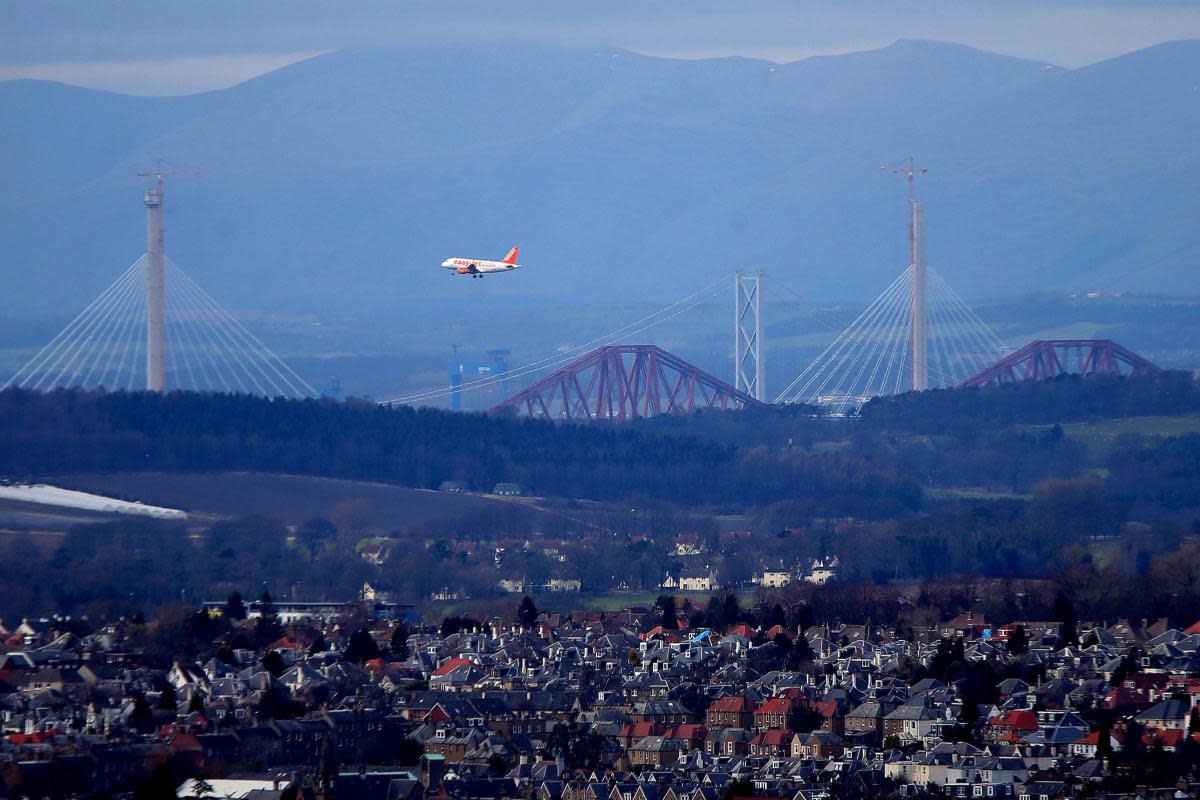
42,494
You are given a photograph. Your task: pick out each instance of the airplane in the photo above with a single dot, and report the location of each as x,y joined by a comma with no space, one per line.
477,267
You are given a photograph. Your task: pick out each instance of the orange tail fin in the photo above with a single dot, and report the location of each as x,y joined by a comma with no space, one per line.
511,258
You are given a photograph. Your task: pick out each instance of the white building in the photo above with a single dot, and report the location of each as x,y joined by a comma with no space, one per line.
822,570
775,578
691,582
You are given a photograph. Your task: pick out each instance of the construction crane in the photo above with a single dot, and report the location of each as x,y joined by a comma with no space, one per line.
912,172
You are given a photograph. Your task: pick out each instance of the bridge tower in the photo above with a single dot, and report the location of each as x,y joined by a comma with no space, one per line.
918,319
156,322
748,361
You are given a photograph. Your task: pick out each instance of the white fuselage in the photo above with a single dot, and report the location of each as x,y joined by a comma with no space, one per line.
477,266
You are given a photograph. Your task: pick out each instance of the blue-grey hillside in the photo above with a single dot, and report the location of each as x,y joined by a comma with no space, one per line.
341,182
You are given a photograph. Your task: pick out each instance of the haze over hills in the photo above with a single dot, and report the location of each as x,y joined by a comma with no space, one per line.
339,183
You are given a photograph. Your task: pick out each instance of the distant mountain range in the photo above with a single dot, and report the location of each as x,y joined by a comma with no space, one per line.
341,182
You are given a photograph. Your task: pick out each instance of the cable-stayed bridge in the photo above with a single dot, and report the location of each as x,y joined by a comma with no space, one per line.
106,345
155,328
917,334
875,355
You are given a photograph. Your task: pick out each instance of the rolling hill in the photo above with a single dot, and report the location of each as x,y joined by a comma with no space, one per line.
337,184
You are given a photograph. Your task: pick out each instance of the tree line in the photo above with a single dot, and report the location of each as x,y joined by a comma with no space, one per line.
78,431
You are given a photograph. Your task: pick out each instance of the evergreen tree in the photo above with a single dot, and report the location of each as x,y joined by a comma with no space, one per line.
1133,749
235,608
267,628
666,604
1104,749
527,612
361,647
802,652
1018,642
730,612
141,718
272,662
970,707
801,617
712,613
776,617
804,718
1063,612
196,704
202,789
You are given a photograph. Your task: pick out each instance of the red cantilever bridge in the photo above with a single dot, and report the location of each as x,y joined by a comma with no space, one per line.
620,382
1043,359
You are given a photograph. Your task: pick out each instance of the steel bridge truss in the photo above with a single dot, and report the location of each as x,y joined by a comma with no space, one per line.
621,382
1042,359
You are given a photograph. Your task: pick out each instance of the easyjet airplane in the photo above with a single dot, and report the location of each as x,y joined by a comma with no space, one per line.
477,267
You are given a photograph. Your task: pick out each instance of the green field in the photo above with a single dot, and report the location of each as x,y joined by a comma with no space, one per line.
1099,435
617,601
378,508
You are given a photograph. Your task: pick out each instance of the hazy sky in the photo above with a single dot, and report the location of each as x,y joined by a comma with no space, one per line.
159,47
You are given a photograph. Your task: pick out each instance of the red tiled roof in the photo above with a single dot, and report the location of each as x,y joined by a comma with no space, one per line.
732,704
1017,721
826,708
773,737
690,730
451,665
775,630
1093,738
776,705
638,730
671,636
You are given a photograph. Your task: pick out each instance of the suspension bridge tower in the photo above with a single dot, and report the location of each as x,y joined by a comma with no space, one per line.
748,361
918,318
